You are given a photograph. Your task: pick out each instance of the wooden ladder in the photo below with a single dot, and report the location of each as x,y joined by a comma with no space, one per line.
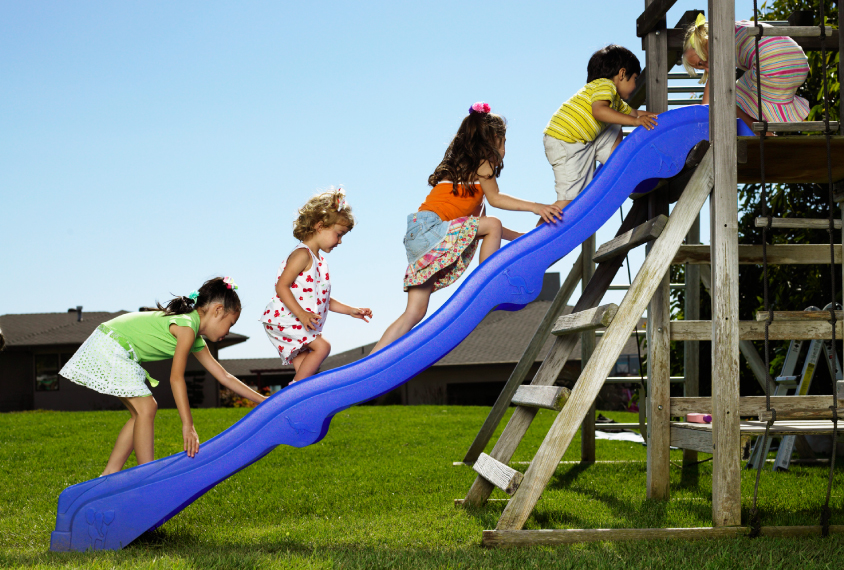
526,489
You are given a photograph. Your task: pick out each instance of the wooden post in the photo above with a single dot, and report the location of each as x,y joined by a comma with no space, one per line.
659,310
691,312
587,347
726,468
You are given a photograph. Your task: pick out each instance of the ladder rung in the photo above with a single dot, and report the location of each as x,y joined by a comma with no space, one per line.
590,319
802,414
636,379
626,287
791,31
502,476
813,316
797,223
547,397
620,245
687,89
802,126
684,101
680,75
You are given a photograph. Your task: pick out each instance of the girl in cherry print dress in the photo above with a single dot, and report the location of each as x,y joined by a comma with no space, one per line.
295,316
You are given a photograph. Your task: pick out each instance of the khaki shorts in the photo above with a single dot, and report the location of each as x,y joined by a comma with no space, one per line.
574,163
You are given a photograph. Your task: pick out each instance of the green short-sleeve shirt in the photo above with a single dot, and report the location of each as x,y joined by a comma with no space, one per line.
149,333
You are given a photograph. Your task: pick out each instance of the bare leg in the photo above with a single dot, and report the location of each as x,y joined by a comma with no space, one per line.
489,230
297,362
308,366
748,120
617,141
138,434
417,306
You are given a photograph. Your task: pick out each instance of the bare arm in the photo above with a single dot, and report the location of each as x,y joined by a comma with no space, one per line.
489,185
217,371
336,306
185,338
602,112
299,261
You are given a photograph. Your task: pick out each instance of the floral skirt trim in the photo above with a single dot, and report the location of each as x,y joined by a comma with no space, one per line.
447,260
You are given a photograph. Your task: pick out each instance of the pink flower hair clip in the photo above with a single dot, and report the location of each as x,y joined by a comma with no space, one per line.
230,283
479,107
341,200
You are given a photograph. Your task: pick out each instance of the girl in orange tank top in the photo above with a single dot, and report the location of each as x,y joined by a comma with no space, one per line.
443,235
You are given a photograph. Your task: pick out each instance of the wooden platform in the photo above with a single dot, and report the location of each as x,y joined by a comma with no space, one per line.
789,427
790,159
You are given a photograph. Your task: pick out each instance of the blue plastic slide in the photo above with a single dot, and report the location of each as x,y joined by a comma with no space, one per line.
110,512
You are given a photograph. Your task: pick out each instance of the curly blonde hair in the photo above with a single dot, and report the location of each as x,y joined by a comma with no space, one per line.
329,208
696,38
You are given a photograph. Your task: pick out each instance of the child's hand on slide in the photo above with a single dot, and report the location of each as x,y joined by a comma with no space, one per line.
646,119
191,440
361,313
310,320
549,213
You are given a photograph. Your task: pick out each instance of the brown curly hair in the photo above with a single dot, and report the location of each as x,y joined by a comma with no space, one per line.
322,208
476,140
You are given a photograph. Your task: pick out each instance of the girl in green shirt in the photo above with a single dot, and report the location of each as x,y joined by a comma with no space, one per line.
109,362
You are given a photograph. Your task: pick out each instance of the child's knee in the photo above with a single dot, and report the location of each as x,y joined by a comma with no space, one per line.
146,408
490,225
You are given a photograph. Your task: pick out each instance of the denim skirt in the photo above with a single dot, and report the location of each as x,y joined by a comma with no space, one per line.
438,249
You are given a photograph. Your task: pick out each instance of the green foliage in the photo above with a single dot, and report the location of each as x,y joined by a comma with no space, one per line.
378,492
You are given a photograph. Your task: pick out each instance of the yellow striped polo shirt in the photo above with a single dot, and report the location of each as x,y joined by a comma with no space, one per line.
573,121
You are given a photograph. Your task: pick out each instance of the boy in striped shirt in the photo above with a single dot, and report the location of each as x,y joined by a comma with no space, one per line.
587,127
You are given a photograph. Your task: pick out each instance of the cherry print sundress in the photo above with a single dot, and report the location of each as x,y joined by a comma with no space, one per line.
312,290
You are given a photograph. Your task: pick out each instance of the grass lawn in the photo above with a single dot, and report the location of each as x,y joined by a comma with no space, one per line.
378,492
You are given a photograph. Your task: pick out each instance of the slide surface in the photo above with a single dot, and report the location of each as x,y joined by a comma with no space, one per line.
110,512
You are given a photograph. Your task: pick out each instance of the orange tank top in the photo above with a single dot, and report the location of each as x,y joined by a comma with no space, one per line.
447,206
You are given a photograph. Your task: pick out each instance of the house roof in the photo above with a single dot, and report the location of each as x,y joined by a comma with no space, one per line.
500,338
44,329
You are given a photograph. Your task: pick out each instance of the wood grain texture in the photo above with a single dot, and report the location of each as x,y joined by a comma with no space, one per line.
726,469
691,350
787,427
592,379
789,158
552,537
525,363
821,412
546,397
790,31
750,405
796,223
587,348
554,361
799,316
502,476
587,320
620,245
755,330
693,440
796,254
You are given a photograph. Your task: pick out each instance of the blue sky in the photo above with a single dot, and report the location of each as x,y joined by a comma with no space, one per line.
148,146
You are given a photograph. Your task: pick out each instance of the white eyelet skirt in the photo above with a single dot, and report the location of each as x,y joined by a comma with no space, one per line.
106,365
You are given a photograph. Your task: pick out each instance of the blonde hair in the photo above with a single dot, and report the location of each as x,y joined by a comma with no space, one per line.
697,38
329,208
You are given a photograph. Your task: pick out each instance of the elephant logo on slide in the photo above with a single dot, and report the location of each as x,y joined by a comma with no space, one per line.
518,282
98,526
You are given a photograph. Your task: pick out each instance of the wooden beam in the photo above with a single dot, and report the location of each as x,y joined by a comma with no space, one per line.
790,31
795,254
587,320
750,405
525,363
586,389
691,350
676,35
502,476
799,316
653,16
692,440
648,231
547,397
553,537
796,223
554,362
755,330
801,127
780,428
789,158
803,414
587,348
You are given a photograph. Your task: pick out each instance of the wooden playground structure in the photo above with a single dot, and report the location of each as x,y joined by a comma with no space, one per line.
711,171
